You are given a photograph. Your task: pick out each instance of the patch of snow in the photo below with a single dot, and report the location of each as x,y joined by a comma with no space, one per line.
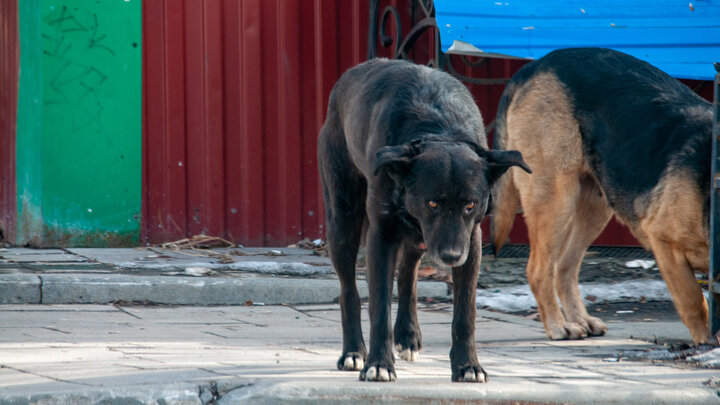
710,359
520,298
289,268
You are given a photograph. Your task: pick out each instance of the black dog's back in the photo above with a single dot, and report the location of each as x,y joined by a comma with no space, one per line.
413,100
633,119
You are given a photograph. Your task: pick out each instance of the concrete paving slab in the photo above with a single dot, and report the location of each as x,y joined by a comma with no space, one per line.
19,251
57,308
41,258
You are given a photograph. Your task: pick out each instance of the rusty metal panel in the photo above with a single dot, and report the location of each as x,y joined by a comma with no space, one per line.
235,94
9,62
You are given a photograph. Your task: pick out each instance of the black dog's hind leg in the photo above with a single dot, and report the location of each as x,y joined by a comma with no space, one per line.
408,340
463,356
381,260
344,196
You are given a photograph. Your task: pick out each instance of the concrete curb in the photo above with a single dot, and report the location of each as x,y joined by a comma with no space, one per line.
306,392
20,289
179,393
312,393
177,290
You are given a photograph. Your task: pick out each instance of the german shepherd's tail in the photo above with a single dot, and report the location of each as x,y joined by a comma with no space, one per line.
504,193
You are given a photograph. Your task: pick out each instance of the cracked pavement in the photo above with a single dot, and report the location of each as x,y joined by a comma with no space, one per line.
287,354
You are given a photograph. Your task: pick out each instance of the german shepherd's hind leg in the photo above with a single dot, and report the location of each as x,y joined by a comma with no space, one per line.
344,196
408,339
684,288
588,221
549,207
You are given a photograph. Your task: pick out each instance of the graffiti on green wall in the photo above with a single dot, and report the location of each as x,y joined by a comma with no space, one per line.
79,171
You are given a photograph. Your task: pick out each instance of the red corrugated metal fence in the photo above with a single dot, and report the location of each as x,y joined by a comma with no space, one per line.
235,93
9,63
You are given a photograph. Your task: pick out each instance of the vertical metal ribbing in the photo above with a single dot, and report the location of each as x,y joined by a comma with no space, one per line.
714,275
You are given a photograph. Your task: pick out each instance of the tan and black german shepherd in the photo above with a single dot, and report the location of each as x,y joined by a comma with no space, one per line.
606,134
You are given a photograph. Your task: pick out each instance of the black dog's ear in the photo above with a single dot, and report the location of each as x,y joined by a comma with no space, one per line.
501,160
395,159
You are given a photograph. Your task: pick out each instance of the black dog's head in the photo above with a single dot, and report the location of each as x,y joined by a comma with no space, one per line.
446,188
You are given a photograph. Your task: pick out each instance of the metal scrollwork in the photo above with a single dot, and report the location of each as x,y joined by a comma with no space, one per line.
423,20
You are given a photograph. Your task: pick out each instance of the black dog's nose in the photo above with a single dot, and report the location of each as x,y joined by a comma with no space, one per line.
450,256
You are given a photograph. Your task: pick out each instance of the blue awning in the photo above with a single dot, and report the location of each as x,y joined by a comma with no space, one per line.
680,37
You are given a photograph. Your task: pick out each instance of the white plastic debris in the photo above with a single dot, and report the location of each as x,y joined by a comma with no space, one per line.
645,264
318,242
198,271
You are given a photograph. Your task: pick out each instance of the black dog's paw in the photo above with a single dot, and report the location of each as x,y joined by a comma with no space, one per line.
408,342
351,361
469,373
408,353
378,372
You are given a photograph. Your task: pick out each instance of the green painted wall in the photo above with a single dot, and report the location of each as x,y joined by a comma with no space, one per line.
79,123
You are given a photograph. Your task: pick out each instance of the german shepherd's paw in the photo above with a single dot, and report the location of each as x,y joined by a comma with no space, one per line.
351,361
378,372
406,353
469,373
593,326
566,331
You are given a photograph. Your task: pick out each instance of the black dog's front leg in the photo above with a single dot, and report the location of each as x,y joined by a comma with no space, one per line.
463,356
381,258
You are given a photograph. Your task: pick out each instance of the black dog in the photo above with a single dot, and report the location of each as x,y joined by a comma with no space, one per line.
403,151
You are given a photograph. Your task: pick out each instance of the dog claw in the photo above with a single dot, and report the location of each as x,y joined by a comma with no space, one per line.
407,354
376,373
351,364
567,331
473,374
596,327
352,361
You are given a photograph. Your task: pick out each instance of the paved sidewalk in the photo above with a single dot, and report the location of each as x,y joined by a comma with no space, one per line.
115,350
105,354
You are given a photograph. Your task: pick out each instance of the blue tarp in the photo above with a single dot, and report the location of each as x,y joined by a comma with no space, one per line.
680,37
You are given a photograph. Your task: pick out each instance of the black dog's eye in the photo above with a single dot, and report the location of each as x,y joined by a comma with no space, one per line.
432,204
470,207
